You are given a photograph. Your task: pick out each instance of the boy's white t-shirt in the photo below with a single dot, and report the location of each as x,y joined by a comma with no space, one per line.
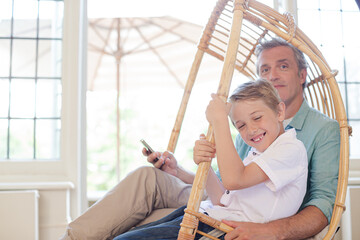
285,163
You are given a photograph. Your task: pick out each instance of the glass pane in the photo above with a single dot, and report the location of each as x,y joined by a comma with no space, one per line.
352,64
343,95
22,98
353,91
342,91
21,139
310,28
355,139
49,60
25,18
48,139
5,57
329,4
48,99
23,58
5,18
25,28
4,97
51,19
349,5
335,59
351,33
331,28
3,138
308,4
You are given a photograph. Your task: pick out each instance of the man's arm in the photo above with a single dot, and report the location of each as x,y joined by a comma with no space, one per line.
184,175
304,224
168,163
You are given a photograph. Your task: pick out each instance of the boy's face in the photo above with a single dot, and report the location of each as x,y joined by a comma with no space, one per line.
257,124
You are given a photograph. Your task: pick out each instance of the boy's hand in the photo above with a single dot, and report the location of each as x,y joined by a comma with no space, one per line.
217,110
204,151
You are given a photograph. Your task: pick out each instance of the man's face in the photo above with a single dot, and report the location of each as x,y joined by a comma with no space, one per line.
278,66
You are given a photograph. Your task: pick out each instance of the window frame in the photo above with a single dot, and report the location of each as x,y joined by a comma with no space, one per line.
72,161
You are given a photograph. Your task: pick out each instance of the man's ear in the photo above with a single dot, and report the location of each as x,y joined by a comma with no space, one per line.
281,111
303,74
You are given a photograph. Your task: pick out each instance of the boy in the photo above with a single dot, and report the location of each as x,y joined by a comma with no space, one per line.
271,182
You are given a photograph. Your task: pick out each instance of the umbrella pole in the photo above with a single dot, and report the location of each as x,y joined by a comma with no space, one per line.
118,120
118,61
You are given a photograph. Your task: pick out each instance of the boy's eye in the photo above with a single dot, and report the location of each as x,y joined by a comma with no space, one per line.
257,118
241,126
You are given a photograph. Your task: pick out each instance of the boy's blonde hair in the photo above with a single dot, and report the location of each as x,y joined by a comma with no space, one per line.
258,89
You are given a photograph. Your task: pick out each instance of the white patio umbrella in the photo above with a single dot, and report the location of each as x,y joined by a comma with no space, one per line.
139,51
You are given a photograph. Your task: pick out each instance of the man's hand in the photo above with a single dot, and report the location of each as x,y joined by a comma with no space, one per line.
166,161
306,223
248,230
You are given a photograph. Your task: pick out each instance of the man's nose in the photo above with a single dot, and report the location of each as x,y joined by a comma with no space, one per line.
273,75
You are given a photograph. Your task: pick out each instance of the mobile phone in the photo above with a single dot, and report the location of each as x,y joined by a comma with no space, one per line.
148,148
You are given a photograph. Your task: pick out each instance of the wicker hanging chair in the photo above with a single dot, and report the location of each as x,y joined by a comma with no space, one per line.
234,29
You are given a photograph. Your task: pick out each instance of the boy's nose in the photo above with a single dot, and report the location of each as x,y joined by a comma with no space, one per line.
252,129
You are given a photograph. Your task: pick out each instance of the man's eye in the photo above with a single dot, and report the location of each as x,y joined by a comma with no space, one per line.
283,66
264,70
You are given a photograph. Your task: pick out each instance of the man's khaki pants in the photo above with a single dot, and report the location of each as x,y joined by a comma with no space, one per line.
129,203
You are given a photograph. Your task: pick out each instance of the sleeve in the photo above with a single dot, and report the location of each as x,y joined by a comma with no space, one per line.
323,170
284,164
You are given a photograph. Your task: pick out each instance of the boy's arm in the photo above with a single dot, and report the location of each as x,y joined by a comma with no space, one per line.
232,170
214,188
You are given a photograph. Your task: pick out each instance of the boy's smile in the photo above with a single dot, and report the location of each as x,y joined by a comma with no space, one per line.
258,138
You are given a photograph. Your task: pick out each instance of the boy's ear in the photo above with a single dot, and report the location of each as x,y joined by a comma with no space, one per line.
281,111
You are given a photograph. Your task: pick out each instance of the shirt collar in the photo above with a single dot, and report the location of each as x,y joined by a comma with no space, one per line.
299,118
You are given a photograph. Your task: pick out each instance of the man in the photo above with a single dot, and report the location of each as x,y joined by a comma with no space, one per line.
147,188
278,64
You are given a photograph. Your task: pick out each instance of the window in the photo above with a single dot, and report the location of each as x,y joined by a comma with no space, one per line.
42,97
332,27
30,79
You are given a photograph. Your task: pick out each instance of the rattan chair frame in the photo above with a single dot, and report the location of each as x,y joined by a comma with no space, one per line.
234,29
